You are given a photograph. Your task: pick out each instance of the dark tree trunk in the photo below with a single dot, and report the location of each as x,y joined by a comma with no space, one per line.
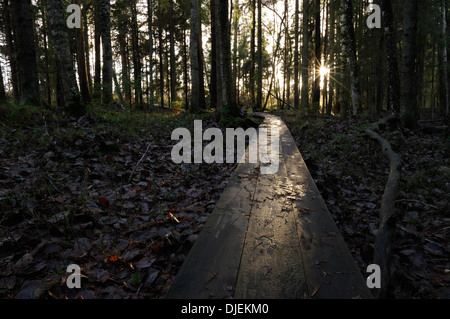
122,41
26,53
350,45
150,48
213,80
97,48
161,64
305,57
197,89
173,58
11,50
136,55
408,106
61,47
2,88
296,55
81,63
105,31
391,57
259,93
228,101
318,56
253,55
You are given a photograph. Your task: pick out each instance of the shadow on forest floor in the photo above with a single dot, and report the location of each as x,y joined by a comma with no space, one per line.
351,171
75,191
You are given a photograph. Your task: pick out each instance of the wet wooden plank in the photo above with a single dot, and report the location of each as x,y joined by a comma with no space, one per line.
330,269
270,236
211,268
271,265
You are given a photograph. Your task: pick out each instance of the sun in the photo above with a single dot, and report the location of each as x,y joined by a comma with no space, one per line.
324,72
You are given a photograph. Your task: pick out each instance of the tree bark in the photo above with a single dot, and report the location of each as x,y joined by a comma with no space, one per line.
229,106
150,51
11,51
443,63
350,46
259,81
252,56
161,64
61,47
26,53
2,88
408,106
173,74
305,57
296,55
125,74
391,57
213,80
81,63
197,98
136,55
105,31
97,56
317,58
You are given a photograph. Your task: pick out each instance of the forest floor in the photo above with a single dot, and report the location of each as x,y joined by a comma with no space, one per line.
351,172
102,192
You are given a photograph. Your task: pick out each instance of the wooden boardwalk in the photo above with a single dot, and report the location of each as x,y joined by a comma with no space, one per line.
270,236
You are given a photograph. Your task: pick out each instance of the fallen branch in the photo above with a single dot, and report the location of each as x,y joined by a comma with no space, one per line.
131,175
382,254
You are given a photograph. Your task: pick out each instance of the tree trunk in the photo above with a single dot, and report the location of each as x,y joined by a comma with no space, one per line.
235,46
11,51
197,98
150,51
105,31
408,106
350,46
253,55
26,53
317,58
229,106
296,55
86,45
2,88
97,48
185,72
259,92
122,41
81,63
332,57
61,47
136,55
213,80
46,56
173,74
391,57
305,57
161,64
443,63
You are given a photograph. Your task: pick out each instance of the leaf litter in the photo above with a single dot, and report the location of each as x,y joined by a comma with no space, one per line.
351,173
116,206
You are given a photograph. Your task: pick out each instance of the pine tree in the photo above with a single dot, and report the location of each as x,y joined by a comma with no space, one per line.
350,48
105,32
70,96
408,106
26,53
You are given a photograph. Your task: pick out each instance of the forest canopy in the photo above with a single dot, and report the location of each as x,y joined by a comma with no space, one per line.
333,57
